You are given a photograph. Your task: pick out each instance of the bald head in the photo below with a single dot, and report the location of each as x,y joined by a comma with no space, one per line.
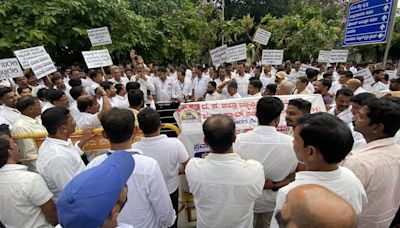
219,133
353,84
316,206
285,88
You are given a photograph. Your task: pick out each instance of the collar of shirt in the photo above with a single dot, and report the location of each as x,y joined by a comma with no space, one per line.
153,139
375,144
12,167
265,129
128,150
6,108
319,175
223,157
30,120
59,141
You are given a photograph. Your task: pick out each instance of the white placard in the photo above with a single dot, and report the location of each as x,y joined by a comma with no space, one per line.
273,57
10,68
262,36
99,36
366,74
304,67
324,56
24,55
391,73
218,55
339,56
236,53
42,66
95,59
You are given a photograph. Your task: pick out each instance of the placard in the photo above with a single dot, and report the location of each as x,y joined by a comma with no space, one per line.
392,74
262,36
324,56
24,55
366,74
339,56
99,36
218,55
236,53
273,57
304,67
10,68
42,66
99,58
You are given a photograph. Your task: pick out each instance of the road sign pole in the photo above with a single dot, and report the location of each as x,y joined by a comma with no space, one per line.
391,28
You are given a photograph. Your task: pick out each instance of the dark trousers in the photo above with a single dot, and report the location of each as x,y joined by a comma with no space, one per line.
175,201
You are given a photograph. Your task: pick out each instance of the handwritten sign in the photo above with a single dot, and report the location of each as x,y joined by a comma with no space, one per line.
24,55
273,57
95,59
339,56
9,68
218,55
304,67
236,53
324,56
42,66
262,36
99,36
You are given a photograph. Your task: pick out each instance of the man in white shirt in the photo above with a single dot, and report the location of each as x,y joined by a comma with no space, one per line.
60,85
212,94
242,79
58,159
163,85
181,88
25,200
221,80
149,204
8,110
111,92
254,88
146,82
28,123
378,86
294,73
312,76
355,86
342,108
121,99
285,88
232,91
170,153
117,77
200,83
224,185
301,86
57,98
316,145
274,150
297,108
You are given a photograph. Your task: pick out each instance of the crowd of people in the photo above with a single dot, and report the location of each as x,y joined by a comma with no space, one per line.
338,168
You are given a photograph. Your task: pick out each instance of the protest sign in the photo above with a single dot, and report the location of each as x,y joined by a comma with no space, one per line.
324,56
262,36
339,56
95,59
99,36
42,66
10,68
304,67
366,74
273,57
392,73
218,55
191,116
236,53
24,55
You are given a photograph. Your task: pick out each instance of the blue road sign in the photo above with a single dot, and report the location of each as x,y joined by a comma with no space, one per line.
368,22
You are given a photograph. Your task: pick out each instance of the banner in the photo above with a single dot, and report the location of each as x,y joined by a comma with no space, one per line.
273,57
191,116
42,66
304,67
24,55
236,53
262,36
218,55
95,59
339,56
324,56
10,68
99,36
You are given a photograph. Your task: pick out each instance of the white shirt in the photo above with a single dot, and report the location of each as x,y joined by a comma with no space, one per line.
73,108
9,115
149,204
120,101
145,85
243,84
379,86
200,86
335,87
346,115
359,139
274,150
163,89
46,105
341,181
122,81
22,194
310,87
235,96
179,89
169,153
58,162
224,188
360,90
225,89
87,120
27,125
213,97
